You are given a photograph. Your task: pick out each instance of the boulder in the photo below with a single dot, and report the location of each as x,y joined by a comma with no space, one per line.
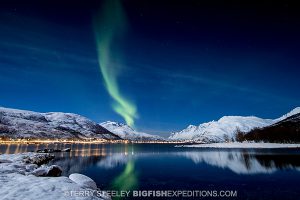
83,181
38,159
52,171
31,167
42,171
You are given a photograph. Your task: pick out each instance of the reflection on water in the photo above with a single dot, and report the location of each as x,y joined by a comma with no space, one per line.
237,162
82,150
152,167
243,162
114,160
127,180
109,156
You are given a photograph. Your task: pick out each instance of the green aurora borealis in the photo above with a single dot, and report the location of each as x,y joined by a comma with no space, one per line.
110,26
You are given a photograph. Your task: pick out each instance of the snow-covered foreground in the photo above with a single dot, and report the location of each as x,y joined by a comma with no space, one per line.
239,145
20,178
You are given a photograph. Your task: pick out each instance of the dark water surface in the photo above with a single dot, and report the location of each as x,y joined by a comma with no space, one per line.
254,174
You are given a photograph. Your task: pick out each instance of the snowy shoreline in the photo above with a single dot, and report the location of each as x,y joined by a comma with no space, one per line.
239,145
25,176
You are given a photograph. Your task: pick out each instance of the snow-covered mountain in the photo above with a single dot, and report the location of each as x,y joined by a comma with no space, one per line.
286,130
291,113
27,124
126,132
225,128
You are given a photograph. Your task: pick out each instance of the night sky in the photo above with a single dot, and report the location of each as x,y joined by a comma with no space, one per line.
179,62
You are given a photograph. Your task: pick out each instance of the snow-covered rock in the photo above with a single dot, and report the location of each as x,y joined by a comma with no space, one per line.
83,181
18,182
225,128
52,170
126,132
27,124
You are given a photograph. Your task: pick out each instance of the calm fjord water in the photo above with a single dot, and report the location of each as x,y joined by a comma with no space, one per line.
254,174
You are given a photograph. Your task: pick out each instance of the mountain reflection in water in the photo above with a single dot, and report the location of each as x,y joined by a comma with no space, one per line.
109,156
254,173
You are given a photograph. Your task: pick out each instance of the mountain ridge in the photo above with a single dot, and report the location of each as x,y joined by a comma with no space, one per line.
15,123
225,128
285,131
126,132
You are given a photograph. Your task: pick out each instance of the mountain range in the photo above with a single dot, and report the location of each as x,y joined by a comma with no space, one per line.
53,125
57,125
226,128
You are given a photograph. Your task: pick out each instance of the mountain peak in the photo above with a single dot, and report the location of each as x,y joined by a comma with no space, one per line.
116,125
295,111
292,112
126,132
221,130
